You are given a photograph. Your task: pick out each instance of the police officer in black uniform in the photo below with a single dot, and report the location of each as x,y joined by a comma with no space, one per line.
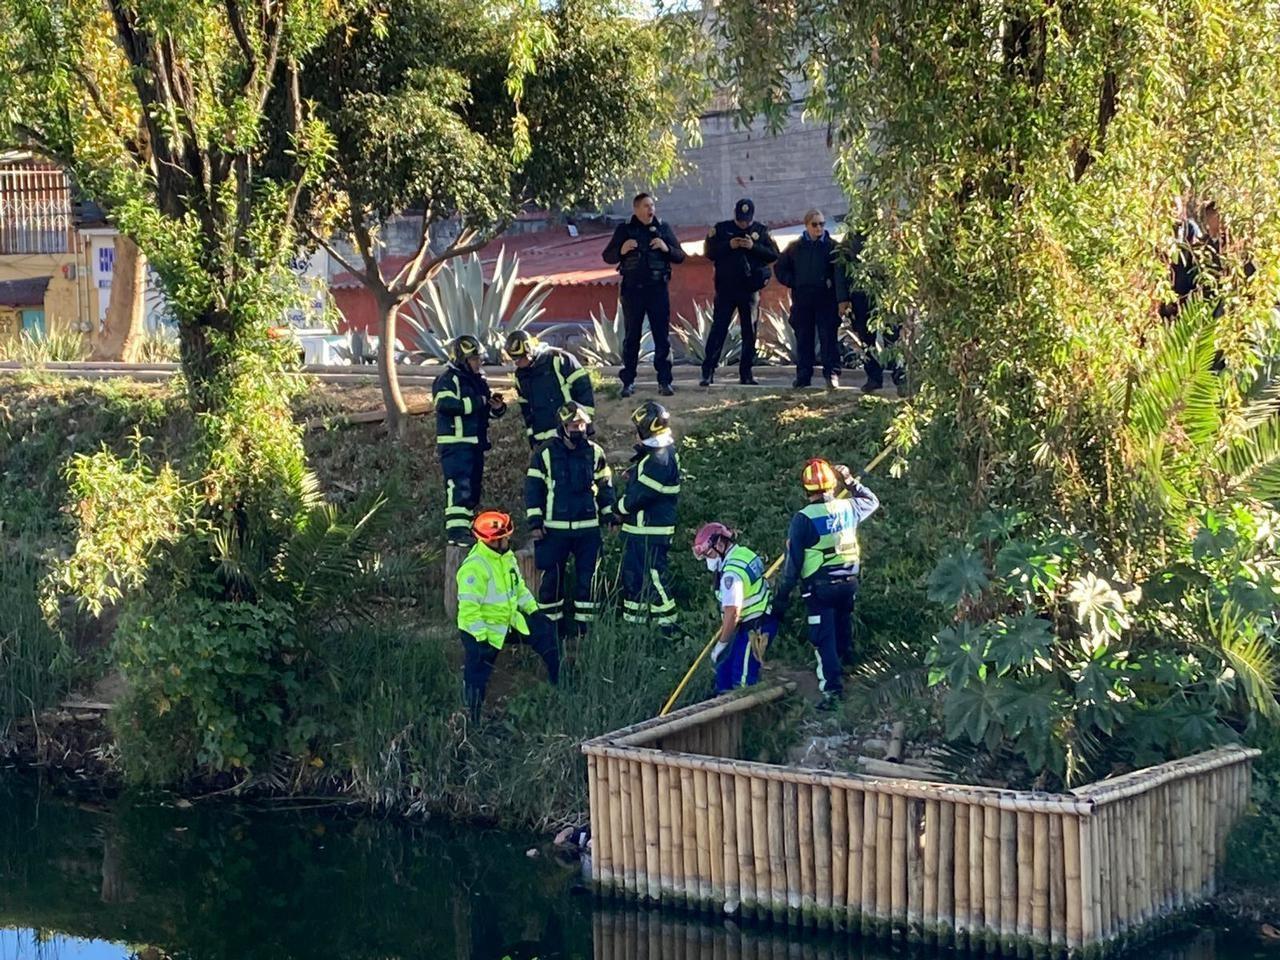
741,250
644,250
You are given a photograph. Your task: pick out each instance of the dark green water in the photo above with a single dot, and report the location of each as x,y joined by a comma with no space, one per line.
214,882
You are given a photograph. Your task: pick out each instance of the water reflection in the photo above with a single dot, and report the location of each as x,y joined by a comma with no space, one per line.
83,882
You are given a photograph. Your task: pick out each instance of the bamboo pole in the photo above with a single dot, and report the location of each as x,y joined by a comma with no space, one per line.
854,803
1159,851
932,829
884,856
991,868
1090,932
915,866
715,837
1143,842
820,799
652,847
746,854
665,845
760,842
602,847
964,916
1177,848
777,854
689,837
977,888
627,834
898,861
946,863
839,807
1008,874
636,781
593,807
1057,884
870,866
675,810
1073,886
729,856
791,843
1040,878
1110,882
805,838
702,835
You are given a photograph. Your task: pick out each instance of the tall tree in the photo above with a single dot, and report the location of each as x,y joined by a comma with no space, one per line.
159,110
457,112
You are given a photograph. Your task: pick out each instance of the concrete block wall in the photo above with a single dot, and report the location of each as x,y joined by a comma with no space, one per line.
785,174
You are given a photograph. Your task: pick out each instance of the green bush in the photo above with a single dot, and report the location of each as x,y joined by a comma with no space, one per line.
219,676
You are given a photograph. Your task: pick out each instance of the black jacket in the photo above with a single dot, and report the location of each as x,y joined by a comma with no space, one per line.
810,267
553,379
568,488
738,270
462,407
643,267
648,506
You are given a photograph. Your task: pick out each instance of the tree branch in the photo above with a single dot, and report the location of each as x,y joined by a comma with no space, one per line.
469,240
332,251
242,36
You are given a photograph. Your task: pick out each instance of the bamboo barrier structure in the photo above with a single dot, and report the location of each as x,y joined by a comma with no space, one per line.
679,817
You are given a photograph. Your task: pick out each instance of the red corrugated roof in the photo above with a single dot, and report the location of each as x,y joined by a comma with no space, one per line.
553,257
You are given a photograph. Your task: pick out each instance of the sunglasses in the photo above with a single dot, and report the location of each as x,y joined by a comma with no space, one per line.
817,223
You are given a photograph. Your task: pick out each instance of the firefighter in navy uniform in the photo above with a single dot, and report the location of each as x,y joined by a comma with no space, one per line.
464,407
823,554
742,251
568,495
546,379
495,608
644,250
648,511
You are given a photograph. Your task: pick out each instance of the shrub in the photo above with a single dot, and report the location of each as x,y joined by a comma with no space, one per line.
693,335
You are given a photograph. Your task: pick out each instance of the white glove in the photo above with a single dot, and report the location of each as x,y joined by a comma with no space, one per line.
718,651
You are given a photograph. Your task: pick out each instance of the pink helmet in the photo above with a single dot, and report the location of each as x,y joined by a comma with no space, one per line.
707,536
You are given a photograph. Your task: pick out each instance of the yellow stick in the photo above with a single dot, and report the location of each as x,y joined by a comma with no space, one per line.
675,694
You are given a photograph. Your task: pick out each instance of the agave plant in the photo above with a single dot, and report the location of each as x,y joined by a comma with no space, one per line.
693,335
602,345
457,301
775,340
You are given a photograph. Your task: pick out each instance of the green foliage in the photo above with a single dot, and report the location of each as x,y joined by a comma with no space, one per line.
1073,672
37,349
459,301
692,334
602,345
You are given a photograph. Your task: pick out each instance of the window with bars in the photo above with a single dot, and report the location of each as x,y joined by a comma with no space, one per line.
35,210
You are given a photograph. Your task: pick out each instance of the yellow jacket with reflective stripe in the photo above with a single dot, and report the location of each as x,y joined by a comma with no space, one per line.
492,596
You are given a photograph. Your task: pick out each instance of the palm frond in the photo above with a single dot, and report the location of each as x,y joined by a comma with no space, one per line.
1250,464
1253,657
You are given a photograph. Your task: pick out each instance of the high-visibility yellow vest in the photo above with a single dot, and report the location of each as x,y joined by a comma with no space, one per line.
492,595
836,524
749,568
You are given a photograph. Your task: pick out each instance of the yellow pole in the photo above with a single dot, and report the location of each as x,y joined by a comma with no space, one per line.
675,694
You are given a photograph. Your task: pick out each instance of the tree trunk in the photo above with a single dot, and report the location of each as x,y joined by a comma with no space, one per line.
126,311
392,398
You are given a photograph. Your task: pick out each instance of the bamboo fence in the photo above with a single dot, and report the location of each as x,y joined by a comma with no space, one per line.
678,818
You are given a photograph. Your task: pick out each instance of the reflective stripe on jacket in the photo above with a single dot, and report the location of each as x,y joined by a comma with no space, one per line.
553,379
462,407
492,596
568,488
649,504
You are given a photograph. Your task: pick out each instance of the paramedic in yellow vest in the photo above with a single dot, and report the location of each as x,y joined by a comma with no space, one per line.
823,554
495,608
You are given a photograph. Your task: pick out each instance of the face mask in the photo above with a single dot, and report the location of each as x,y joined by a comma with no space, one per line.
713,564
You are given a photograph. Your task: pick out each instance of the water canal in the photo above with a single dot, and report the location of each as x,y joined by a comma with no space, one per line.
81,881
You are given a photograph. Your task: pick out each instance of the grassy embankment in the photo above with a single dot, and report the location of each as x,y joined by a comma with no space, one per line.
380,715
